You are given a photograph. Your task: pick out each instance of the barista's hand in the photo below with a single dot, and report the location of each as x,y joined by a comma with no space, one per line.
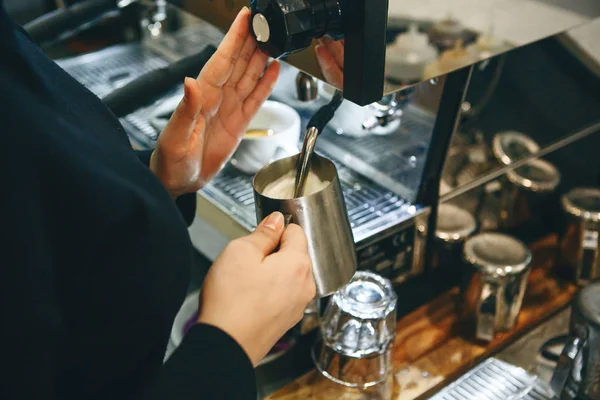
216,109
255,295
330,55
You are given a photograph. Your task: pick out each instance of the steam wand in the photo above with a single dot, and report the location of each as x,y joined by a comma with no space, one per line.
314,128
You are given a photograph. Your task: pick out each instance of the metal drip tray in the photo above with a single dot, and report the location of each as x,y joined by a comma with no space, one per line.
496,380
138,125
186,41
106,70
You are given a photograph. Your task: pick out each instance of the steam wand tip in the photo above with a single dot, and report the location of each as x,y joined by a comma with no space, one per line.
315,127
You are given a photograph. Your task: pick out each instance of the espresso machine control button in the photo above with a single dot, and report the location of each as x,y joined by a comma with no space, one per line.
283,27
261,29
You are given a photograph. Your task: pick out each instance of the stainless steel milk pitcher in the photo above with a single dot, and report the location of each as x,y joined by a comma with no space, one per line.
322,215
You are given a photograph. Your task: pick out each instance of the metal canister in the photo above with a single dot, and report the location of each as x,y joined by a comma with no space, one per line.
510,146
580,243
525,189
510,200
454,226
500,266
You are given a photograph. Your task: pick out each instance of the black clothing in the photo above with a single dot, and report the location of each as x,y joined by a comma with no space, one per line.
94,257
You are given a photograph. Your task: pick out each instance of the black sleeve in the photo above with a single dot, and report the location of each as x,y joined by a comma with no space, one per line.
31,321
34,328
198,366
185,203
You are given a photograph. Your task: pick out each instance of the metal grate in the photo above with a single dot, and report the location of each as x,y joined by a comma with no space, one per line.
109,69
496,380
186,41
368,204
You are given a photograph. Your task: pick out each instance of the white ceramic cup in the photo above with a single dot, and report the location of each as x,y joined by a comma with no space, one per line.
255,152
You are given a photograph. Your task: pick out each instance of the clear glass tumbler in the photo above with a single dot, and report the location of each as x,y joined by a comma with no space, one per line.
358,329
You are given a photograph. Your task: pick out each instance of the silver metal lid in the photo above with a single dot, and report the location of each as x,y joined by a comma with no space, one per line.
536,176
583,203
510,146
497,254
454,224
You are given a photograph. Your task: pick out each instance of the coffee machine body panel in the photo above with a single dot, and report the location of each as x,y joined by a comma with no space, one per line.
390,44
397,253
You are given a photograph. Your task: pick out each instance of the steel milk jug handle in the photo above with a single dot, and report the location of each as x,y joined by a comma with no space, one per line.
487,311
566,361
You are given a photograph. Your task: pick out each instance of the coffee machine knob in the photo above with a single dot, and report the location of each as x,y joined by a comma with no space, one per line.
283,27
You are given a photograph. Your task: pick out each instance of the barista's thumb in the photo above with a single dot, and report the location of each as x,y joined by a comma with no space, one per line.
267,235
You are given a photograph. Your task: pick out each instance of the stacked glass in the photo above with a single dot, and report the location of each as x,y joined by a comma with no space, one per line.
358,329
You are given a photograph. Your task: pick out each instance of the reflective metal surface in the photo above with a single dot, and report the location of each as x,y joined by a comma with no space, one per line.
462,32
511,146
358,329
307,87
537,176
510,200
580,244
322,215
494,379
501,267
577,374
515,196
304,158
537,349
454,224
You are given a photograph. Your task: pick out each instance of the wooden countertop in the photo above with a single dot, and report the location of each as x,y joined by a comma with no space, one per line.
431,347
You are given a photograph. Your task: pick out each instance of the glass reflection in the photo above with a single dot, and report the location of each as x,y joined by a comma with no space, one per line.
427,39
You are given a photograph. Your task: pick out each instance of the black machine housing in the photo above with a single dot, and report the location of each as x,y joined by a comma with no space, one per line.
361,23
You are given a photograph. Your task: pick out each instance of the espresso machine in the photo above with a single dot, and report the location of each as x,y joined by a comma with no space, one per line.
407,66
405,69
445,102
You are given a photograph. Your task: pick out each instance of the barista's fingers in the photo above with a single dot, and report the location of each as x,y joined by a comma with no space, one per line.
331,71
294,251
220,66
253,72
184,120
242,62
267,234
336,49
293,240
262,90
